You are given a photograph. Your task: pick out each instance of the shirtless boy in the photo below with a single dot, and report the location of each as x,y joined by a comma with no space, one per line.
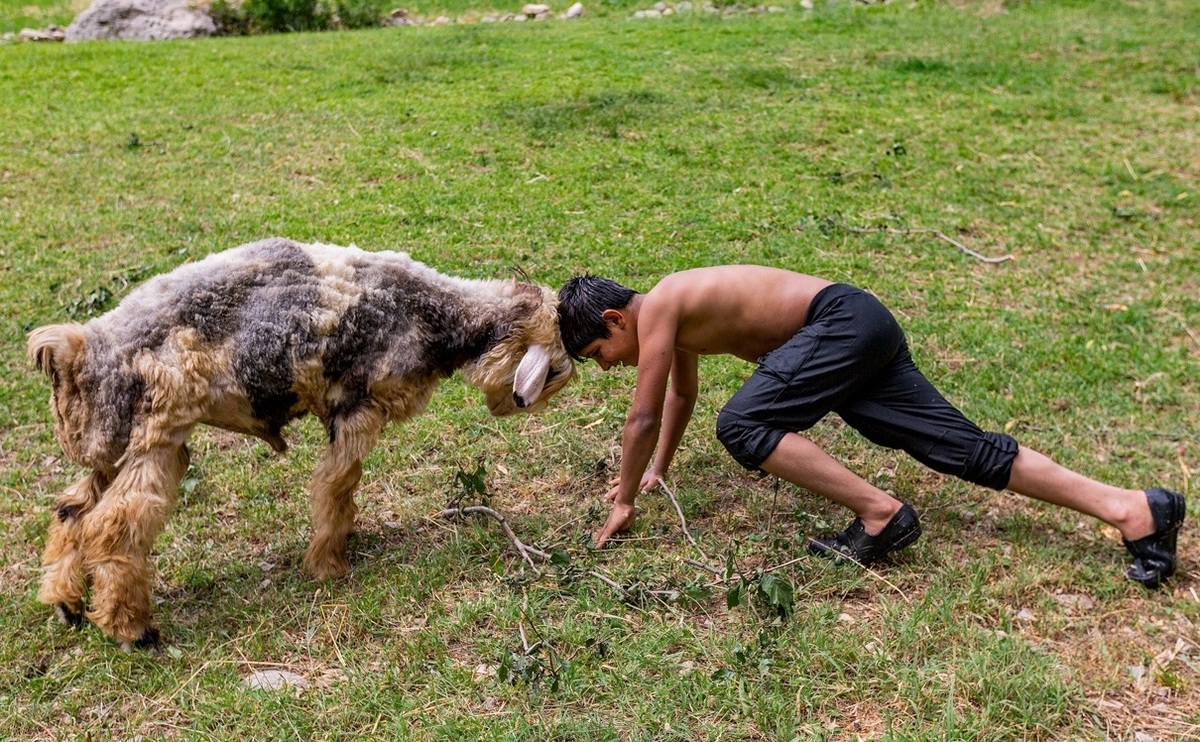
819,347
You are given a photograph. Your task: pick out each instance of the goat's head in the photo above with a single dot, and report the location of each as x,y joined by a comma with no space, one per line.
529,364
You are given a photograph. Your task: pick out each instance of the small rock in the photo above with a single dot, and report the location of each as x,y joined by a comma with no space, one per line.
401,17
574,11
273,680
34,34
534,10
1025,615
1082,602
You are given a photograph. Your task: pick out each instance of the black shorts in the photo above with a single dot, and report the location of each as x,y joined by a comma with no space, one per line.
851,358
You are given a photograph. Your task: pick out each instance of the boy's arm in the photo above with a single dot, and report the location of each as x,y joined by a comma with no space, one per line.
656,351
681,400
677,412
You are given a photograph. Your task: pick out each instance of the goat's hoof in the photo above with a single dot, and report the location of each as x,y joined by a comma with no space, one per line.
327,567
68,616
147,641
330,572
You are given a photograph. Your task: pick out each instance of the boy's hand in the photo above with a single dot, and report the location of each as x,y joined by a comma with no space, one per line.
620,520
649,479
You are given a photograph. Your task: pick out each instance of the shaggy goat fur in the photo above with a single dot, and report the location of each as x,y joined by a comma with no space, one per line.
248,340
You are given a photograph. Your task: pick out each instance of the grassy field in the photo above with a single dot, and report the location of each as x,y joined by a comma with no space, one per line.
1066,135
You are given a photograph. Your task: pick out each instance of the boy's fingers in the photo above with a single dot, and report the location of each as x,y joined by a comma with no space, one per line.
619,521
599,537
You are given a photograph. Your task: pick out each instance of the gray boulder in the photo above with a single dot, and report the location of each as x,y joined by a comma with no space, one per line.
140,20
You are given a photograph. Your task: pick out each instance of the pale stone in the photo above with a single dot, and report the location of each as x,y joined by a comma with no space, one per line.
274,680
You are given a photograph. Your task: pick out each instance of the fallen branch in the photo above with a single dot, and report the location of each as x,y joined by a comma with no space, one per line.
682,520
526,551
522,548
705,567
939,235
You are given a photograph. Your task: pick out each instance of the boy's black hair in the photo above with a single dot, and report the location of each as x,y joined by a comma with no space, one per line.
581,303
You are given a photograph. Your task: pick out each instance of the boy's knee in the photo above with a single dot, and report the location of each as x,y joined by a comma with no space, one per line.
747,441
990,464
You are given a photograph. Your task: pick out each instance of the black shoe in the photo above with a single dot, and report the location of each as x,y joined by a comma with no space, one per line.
1154,555
903,529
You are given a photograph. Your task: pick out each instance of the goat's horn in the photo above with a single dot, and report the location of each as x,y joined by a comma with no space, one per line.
531,375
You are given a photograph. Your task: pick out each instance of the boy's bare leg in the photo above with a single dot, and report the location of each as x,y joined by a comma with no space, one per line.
1036,475
805,464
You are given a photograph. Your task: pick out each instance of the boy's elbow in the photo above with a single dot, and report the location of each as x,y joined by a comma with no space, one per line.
641,424
688,396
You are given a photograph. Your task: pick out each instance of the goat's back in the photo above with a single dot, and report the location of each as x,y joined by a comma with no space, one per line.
265,330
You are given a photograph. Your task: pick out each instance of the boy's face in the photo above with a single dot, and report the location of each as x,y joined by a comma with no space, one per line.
620,348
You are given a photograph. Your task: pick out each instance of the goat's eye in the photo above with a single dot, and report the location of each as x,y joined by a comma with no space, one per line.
552,374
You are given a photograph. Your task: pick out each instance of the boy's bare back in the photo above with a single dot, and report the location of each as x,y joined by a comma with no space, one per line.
742,310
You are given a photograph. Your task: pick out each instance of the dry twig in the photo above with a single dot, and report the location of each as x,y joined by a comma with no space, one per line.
683,524
522,548
526,551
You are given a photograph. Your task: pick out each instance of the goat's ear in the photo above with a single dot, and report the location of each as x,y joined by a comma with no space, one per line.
531,375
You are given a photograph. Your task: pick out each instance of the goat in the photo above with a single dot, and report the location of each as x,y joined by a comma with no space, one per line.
248,340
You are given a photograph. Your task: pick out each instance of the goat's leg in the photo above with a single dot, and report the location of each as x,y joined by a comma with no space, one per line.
63,582
331,492
118,535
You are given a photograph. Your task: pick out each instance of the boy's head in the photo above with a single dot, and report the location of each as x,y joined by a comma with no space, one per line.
582,302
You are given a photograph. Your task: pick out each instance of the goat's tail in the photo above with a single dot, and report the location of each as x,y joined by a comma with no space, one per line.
54,348
58,351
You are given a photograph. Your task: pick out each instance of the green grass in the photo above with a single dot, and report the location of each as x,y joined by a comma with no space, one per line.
18,14
1061,133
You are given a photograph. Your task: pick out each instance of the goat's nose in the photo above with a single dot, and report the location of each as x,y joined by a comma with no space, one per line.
519,400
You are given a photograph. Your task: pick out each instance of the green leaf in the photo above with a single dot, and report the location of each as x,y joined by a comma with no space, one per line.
733,596
777,592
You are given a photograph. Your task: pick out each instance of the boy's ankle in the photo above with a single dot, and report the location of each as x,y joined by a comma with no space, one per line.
876,520
1134,519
